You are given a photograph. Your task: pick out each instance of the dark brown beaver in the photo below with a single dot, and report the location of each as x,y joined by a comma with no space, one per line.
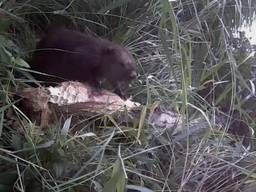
72,55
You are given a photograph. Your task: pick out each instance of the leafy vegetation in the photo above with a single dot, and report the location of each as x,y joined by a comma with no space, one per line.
188,59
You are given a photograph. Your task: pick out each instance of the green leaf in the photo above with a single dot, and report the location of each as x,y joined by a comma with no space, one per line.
118,178
21,62
4,57
66,126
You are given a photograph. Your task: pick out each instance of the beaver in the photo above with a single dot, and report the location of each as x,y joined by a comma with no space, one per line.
72,55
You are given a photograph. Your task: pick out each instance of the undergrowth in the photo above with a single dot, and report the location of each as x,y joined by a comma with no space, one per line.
188,61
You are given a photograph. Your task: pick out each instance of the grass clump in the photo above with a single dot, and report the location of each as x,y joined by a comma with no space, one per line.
188,59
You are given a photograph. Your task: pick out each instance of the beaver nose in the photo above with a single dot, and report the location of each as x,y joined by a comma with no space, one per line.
133,74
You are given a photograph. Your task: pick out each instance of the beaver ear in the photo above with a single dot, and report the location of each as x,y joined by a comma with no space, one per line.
108,50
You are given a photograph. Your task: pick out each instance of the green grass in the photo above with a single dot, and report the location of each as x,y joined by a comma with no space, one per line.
179,47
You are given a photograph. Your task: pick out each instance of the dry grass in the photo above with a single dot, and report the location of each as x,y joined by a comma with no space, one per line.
187,60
